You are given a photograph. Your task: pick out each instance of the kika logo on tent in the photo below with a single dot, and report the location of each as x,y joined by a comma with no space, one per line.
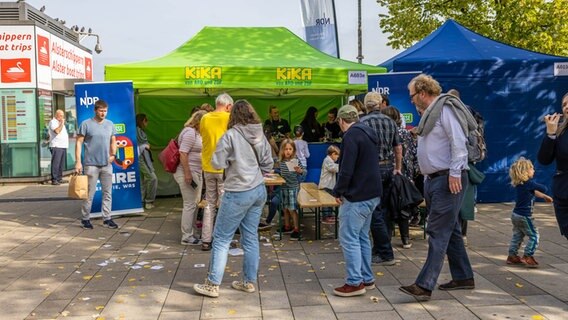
203,72
293,74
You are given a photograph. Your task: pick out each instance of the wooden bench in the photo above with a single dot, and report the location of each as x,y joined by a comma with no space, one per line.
311,198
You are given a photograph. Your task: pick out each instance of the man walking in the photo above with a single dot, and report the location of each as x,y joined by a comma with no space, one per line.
98,136
442,156
58,144
389,149
358,190
212,126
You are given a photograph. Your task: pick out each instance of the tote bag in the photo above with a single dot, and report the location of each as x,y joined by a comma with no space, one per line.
169,157
78,187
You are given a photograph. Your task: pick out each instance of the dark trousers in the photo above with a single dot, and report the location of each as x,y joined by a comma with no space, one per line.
381,219
561,211
57,162
444,231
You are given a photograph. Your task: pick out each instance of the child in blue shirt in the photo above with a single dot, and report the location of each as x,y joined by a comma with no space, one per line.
521,174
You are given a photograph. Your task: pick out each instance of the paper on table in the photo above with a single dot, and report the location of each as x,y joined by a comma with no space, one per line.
292,164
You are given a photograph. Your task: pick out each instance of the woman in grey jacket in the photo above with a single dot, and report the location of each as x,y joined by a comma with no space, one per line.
245,154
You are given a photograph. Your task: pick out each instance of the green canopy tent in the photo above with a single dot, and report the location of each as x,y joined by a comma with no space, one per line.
267,66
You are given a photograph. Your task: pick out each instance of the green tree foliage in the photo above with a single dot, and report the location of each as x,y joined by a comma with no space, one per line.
538,25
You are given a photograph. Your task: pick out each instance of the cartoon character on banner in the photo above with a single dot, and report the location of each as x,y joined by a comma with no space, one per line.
124,152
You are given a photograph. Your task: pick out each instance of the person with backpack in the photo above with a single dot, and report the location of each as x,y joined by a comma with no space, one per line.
442,157
476,153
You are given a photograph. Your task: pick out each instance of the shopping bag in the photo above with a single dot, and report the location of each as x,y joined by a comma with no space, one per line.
169,157
78,187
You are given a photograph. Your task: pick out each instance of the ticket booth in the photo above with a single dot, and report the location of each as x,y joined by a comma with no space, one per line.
40,60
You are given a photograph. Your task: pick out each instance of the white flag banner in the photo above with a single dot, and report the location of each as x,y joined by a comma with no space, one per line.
320,25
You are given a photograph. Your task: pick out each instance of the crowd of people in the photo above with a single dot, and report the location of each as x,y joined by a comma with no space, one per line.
227,151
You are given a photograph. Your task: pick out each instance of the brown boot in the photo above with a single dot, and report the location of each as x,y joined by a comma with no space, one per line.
529,261
514,260
466,284
417,292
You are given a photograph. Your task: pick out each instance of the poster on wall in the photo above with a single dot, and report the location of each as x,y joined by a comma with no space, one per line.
18,122
17,62
395,86
126,197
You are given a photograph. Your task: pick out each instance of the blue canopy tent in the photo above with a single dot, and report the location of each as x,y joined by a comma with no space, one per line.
512,88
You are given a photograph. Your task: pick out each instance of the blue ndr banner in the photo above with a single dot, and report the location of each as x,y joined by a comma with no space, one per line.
126,195
395,86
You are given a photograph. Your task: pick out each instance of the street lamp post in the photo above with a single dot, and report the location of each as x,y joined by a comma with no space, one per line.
359,34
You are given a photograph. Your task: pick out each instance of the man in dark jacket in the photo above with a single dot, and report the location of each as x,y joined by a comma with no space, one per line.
358,190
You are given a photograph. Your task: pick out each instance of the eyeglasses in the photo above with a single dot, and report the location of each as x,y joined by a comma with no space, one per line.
412,95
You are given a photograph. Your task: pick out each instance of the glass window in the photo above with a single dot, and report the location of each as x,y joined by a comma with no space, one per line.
18,133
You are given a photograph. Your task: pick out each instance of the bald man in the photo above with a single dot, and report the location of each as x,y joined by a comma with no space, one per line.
58,144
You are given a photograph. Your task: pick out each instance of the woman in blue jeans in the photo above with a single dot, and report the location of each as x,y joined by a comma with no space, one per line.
244,153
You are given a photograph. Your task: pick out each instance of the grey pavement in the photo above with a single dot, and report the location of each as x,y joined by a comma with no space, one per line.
53,269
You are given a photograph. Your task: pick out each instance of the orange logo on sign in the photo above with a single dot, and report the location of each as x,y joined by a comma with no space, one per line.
15,70
43,51
88,69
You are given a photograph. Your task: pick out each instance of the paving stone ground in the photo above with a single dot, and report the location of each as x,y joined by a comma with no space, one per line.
53,269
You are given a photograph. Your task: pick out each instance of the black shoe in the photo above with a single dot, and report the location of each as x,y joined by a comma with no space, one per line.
295,236
86,224
264,227
110,224
55,183
417,292
467,284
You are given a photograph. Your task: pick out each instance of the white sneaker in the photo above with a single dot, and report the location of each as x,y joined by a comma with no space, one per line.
191,241
464,241
207,289
243,286
149,206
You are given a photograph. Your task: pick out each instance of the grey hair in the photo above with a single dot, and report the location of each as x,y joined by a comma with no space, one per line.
224,99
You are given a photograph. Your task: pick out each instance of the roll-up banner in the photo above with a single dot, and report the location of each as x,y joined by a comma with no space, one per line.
126,196
395,86
320,25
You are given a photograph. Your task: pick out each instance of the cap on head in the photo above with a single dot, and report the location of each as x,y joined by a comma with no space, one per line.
348,113
372,100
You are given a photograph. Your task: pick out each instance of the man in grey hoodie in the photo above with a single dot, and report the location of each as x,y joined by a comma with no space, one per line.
245,154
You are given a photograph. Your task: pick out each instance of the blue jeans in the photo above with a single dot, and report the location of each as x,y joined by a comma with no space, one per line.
381,219
355,220
444,233
238,210
274,204
523,226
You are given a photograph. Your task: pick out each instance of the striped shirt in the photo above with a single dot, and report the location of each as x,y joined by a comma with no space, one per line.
292,178
190,142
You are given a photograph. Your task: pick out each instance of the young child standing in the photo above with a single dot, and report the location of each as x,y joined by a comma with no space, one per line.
302,151
328,177
290,188
522,173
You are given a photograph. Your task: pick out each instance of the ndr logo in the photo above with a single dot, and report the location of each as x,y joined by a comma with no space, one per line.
87,101
323,21
381,90
203,72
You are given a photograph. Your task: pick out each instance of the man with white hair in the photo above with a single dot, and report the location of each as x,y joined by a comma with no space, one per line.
442,156
212,126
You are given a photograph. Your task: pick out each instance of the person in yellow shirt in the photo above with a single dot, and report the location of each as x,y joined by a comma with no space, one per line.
212,126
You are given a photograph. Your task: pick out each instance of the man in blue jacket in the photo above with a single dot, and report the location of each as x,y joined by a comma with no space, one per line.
358,190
